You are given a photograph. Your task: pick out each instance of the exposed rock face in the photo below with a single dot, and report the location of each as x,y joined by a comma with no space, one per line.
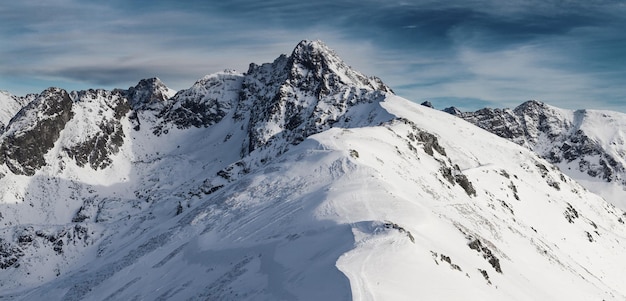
497,121
453,111
302,94
428,104
94,117
34,131
9,254
101,132
202,105
148,93
558,135
539,120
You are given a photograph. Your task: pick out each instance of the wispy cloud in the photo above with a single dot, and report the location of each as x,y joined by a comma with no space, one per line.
464,53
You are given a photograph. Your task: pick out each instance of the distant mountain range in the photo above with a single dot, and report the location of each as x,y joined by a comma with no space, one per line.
587,145
303,179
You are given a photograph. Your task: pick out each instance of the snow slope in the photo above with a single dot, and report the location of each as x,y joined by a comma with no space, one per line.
375,198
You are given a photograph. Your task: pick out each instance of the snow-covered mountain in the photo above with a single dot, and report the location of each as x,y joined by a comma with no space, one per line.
9,105
587,145
300,179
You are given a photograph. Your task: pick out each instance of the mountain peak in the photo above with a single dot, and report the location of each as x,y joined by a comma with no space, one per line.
302,94
453,111
530,106
307,50
313,60
148,92
153,81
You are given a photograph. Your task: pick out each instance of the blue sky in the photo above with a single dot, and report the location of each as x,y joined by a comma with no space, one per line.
469,54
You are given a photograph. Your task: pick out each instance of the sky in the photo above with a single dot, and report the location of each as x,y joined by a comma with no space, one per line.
469,54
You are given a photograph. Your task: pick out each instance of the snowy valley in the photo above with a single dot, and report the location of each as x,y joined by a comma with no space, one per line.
301,179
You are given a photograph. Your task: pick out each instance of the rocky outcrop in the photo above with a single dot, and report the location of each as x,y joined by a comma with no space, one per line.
147,94
428,104
102,134
301,94
206,103
504,123
34,131
557,135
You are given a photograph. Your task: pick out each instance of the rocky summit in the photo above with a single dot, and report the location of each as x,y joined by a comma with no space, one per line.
588,145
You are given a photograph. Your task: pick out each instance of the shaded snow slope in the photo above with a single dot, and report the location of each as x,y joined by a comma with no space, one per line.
588,145
367,197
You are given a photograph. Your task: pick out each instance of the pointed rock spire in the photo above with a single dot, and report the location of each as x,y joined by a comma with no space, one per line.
302,94
34,130
148,92
530,106
313,60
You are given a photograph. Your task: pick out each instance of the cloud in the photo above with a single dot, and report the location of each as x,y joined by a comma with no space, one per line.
478,51
570,58
506,77
109,47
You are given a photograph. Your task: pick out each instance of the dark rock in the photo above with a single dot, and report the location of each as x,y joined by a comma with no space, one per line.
147,94
179,208
206,103
97,149
476,244
446,172
9,254
453,111
570,213
449,261
514,189
302,94
390,225
462,180
429,141
485,275
455,176
34,130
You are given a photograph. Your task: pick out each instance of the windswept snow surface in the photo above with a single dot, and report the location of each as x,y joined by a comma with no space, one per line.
388,201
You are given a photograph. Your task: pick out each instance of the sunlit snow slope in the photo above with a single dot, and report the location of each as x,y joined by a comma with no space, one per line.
299,180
